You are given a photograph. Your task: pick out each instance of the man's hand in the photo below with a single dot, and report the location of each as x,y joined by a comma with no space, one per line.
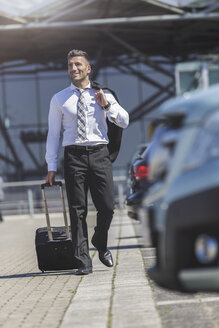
101,98
50,177
102,101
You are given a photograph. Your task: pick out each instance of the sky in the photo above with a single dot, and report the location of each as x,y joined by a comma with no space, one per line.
184,3
21,7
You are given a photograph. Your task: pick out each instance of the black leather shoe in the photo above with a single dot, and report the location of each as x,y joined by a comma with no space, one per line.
83,271
106,258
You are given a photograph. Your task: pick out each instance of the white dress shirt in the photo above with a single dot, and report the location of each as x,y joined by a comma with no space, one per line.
63,115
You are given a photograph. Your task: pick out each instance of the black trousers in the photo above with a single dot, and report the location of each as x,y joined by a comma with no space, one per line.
88,168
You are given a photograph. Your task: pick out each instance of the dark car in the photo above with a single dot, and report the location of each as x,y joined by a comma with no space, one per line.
139,182
139,174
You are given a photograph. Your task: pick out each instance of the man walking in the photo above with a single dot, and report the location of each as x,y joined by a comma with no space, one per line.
81,111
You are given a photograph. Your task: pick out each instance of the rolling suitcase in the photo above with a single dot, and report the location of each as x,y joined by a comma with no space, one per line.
53,244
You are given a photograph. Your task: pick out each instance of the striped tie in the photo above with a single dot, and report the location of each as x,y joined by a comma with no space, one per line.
81,116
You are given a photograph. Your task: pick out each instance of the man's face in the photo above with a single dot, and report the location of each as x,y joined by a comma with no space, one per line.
78,69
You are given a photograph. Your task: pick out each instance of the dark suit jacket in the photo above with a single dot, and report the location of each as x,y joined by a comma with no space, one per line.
114,131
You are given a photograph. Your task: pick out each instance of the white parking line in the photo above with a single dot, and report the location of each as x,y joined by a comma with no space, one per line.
210,299
178,302
188,301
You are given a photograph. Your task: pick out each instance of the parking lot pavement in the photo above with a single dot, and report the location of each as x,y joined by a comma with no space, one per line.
182,310
109,298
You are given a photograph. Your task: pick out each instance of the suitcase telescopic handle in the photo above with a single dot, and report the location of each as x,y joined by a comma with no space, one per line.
55,183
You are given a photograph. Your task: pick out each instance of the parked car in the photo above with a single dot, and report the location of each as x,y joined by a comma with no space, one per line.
138,174
164,141
185,199
138,181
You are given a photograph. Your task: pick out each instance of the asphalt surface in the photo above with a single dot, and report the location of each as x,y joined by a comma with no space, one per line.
179,309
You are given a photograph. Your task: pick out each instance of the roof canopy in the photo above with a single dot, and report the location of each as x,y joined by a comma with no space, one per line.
40,31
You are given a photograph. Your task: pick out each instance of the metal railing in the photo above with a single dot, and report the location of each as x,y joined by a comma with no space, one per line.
24,197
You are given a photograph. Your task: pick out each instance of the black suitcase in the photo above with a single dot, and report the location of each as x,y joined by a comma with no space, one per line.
53,244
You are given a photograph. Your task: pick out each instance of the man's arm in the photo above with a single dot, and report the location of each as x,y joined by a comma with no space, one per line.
53,137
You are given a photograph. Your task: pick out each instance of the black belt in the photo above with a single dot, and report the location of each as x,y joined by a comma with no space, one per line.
85,148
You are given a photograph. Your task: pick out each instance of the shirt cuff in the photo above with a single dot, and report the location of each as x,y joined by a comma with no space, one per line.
112,112
52,167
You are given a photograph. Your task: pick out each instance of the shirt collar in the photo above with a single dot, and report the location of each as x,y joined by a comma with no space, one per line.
73,87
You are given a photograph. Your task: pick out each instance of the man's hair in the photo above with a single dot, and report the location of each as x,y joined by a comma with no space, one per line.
76,53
